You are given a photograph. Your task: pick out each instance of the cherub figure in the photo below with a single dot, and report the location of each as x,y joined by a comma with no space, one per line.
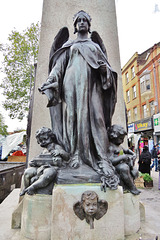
90,207
42,172
47,139
122,159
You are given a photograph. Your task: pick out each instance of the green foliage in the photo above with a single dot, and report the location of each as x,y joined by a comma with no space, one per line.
3,127
20,55
146,177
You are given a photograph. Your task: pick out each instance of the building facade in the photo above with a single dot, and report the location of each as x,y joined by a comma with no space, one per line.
141,87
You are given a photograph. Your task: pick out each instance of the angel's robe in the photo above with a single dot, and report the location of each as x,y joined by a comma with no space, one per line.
88,100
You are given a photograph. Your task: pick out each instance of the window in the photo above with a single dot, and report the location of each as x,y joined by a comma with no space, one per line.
152,108
145,82
129,116
135,113
127,96
145,111
127,78
134,91
133,72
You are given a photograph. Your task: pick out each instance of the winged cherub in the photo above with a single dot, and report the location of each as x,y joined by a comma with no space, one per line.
90,207
82,91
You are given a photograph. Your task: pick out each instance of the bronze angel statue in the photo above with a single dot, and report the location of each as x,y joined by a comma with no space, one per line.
82,93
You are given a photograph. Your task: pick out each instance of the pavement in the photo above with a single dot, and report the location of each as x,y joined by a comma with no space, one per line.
150,228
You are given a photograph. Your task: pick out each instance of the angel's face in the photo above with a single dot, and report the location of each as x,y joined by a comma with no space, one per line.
44,140
82,24
118,140
90,206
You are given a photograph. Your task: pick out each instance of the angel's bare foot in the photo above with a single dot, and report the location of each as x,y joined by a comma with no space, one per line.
107,168
75,163
30,190
23,192
135,191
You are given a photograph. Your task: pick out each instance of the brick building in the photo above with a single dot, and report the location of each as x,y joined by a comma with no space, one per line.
141,87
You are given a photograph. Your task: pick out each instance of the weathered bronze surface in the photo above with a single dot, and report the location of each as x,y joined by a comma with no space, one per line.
82,105
90,208
122,159
82,93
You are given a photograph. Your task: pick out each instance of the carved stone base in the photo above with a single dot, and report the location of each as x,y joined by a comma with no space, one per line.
66,225
131,213
36,217
52,217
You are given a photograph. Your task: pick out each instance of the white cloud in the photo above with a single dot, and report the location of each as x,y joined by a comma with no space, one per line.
137,26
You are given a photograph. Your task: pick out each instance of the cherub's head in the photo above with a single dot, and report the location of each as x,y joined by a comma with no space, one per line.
45,136
79,17
89,202
116,134
90,207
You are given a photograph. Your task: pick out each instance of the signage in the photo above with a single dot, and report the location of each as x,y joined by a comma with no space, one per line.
143,125
156,122
131,128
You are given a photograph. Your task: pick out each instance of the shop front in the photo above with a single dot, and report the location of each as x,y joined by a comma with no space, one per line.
144,127
156,124
131,144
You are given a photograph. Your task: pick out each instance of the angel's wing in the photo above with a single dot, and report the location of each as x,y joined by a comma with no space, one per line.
78,210
61,37
102,209
97,39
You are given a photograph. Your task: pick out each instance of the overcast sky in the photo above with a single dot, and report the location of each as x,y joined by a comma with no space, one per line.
138,29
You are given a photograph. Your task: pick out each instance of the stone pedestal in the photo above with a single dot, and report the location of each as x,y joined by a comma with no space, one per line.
36,217
52,217
66,225
131,213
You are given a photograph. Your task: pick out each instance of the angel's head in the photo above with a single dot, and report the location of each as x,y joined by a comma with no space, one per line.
89,202
116,134
45,136
82,22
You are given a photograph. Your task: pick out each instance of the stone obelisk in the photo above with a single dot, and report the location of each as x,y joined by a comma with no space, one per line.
57,14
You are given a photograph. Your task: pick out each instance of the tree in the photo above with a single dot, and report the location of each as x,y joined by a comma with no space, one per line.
20,55
3,127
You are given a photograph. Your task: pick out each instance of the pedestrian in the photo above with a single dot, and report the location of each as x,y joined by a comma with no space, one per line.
144,161
154,155
159,171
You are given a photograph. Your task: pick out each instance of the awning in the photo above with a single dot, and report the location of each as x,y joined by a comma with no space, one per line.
10,142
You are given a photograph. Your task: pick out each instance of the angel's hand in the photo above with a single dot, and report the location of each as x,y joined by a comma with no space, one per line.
32,163
43,87
55,153
40,170
48,85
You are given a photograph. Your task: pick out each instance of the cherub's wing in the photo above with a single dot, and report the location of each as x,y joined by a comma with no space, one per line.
97,39
61,37
102,209
78,210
